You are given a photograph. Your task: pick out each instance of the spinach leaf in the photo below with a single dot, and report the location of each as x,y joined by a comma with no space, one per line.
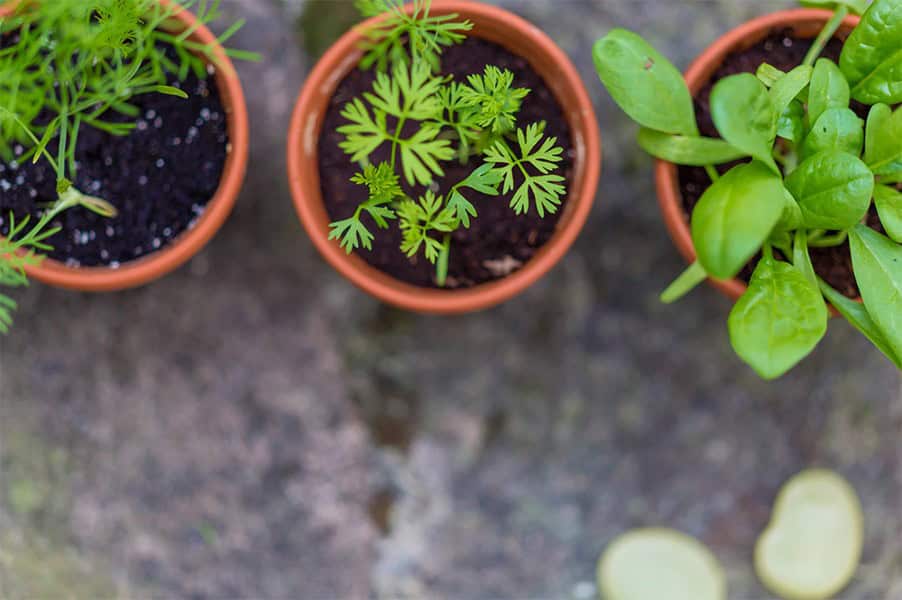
833,189
856,314
856,6
872,56
836,129
685,283
745,116
735,216
686,150
644,83
829,89
883,145
791,124
788,87
769,74
888,201
792,214
877,262
779,320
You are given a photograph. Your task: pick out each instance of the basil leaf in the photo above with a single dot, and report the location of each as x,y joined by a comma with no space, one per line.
745,116
833,190
836,129
685,150
872,56
788,87
856,314
888,201
855,6
791,124
779,320
644,83
829,89
877,262
734,217
883,145
801,259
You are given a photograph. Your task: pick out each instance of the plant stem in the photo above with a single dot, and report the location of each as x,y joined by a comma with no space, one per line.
712,173
395,142
829,241
441,265
825,35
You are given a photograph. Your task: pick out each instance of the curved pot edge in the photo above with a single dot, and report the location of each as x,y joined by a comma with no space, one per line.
303,137
157,264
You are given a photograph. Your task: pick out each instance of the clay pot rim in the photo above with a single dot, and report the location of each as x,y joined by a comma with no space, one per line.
326,75
666,174
179,250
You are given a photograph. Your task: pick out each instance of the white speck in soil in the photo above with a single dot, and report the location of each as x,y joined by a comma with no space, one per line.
150,115
18,150
142,180
108,161
5,185
205,114
167,233
160,163
114,264
104,254
109,231
156,243
141,125
158,123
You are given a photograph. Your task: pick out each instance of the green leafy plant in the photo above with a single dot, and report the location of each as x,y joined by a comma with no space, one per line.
70,64
428,119
810,170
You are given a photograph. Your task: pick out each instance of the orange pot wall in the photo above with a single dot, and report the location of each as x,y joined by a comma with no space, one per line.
518,36
158,264
804,23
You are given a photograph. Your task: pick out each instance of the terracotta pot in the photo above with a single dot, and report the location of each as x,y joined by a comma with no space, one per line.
518,36
178,251
804,23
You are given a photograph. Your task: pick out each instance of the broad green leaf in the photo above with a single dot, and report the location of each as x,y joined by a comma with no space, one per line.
745,117
687,150
788,87
779,320
836,129
791,218
791,124
855,6
644,83
801,259
833,189
643,564
735,216
685,283
829,89
816,514
857,315
769,74
883,142
877,262
872,56
888,201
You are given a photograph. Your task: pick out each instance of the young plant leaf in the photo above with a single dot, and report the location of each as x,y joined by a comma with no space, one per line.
829,89
791,218
769,74
787,88
872,56
877,262
836,129
485,179
688,150
888,201
791,124
883,142
833,189
735,216
779,320
745,116
857,315
644,83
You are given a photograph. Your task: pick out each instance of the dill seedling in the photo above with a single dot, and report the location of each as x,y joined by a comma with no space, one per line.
427,119
69,64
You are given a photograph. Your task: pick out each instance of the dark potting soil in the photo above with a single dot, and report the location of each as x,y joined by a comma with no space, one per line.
781,50
498,241
159,177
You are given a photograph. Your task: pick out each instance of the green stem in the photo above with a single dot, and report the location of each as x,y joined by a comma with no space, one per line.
826,35
394,142
828,241
712,173
441,265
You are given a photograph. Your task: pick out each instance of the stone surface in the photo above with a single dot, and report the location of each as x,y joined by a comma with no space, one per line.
253,426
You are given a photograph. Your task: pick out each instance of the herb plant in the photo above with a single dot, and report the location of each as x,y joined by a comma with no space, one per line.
811,169
69,64
426,119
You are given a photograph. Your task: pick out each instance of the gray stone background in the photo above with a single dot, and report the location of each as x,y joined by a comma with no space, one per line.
254,427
